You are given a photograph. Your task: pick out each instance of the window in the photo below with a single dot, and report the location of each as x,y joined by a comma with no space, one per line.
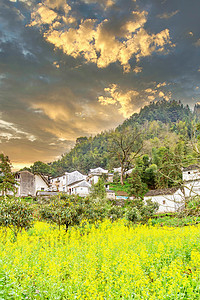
164,201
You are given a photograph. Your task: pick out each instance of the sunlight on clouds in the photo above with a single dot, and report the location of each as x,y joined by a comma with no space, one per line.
95,41
137,69
126,102
43,15
123,99
168,15
11,131
54,111
106,3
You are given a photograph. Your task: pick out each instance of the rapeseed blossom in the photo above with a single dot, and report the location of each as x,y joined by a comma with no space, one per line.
102,261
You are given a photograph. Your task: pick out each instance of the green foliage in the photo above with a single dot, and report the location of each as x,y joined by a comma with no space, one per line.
169,164
6,288
132,214
118,187
62,210
138,210
137,188
15,214
98,190
71,210
7,178
163,111
40,167
116,178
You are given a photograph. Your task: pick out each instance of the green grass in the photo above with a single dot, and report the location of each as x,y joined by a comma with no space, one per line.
118,187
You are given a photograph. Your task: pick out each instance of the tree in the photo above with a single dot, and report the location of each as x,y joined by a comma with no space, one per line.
137,188
125,146
98,190
7,178
40,167
16,215
169,164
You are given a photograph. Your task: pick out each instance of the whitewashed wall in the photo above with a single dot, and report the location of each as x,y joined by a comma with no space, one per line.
191,175
40,184
168,203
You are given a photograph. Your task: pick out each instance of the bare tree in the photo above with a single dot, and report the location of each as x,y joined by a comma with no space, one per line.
124,146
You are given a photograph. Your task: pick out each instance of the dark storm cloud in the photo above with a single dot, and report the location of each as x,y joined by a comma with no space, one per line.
72,68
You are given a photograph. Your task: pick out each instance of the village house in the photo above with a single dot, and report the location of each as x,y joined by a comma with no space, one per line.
30,184
169,200
61,183
95,174
191,181
81,188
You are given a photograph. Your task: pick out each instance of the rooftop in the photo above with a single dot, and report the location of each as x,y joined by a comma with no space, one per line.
169,191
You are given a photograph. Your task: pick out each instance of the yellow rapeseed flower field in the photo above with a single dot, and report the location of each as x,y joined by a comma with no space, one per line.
108,261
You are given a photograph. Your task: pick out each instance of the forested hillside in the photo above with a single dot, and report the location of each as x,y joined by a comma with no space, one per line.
163,126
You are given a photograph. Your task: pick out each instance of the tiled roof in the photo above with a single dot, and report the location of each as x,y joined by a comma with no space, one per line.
169,191
191,167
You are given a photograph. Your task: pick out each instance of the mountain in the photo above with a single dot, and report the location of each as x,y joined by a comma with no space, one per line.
157,118
163,111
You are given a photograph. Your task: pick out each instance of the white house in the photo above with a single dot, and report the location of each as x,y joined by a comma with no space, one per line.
118,170
61,183
191,181
169,200
81,188
94,174
29,184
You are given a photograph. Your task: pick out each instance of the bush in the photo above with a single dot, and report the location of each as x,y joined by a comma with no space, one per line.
133,214
15,214
141,211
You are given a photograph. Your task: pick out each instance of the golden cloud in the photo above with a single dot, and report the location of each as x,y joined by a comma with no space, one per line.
124,100
128,102
168,15
96,42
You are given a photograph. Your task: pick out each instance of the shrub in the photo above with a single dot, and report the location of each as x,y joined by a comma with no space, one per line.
133,214
15,214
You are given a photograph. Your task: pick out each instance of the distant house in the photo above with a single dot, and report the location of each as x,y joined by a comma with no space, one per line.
94,174
61,183
110,194
191,181
81,188
169,200
118,170
29,184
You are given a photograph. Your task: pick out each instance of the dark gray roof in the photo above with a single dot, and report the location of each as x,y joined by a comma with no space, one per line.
79,183
191,167
84,184
169,191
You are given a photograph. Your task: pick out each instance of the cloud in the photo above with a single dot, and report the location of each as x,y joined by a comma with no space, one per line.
197,43
104,3
65,117
11,131
137,69
96,41
127,102
123,100
168,15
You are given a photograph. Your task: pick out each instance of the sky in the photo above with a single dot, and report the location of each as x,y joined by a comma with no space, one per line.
76,68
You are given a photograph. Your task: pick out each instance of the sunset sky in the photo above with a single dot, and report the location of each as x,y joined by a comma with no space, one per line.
76,68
